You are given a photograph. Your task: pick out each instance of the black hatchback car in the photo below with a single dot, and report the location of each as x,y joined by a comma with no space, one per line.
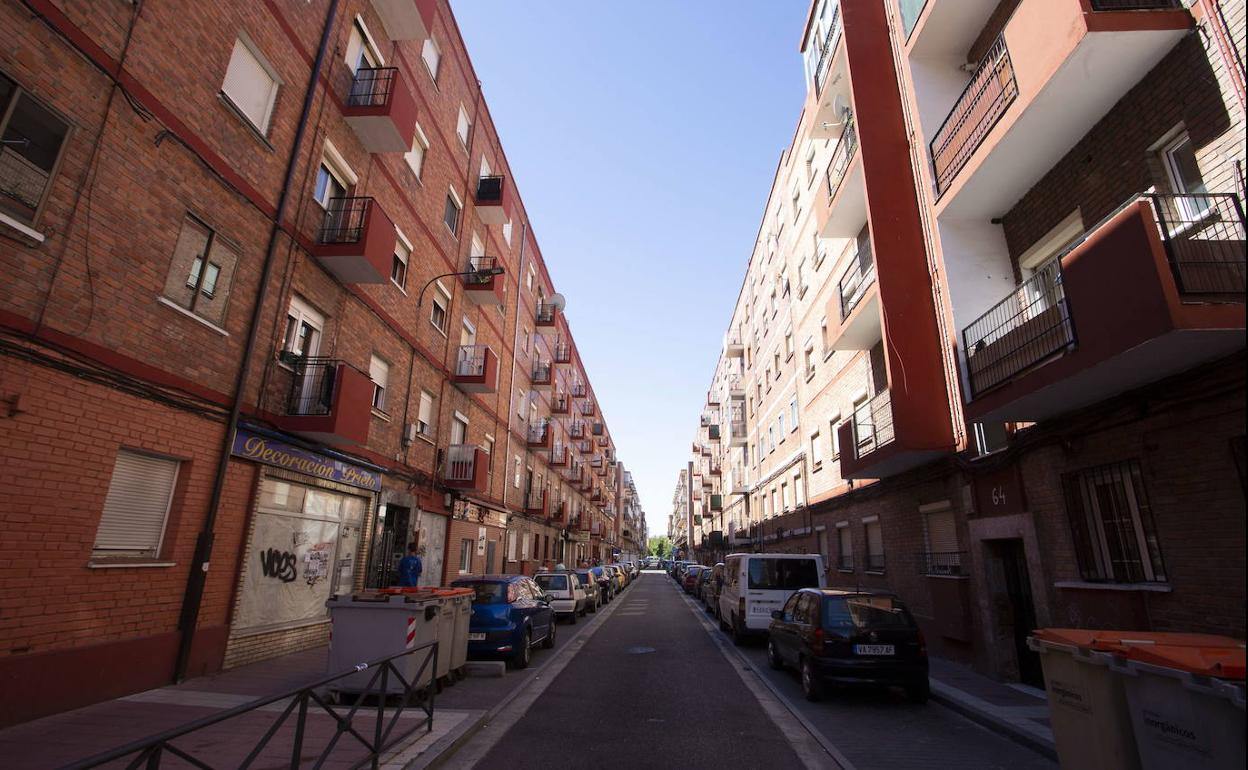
849,637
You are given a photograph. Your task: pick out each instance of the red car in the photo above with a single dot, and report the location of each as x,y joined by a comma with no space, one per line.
690,581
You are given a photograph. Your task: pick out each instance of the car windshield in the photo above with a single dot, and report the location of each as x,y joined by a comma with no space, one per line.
865,613
552,582
584,578
485,593
783,574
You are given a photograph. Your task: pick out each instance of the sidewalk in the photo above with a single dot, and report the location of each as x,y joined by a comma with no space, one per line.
62,738
1018,712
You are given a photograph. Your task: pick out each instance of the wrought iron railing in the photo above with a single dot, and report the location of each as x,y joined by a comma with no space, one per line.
873,424
578,390
559,403
830,41
576,429
1135,5
991,91
312,386
490,190
846,146
538,431
535,500
558,454
471,361
587,408
546,312
541,372
479,270
1204,239
857,279
345,220
1027,327
294,740
461,462
736,385
372,86
563,352
941,562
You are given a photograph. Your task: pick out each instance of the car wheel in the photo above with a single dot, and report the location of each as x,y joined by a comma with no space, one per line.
525,653
572,617
549,642
773,655
738,634
594,607
919,692
810,683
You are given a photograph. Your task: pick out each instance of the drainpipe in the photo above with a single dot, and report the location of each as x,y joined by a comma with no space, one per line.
511,383
193,599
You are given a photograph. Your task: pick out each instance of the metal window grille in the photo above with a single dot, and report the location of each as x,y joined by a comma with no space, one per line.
1112,524
942,562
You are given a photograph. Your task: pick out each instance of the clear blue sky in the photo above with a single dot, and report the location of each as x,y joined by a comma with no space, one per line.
643,137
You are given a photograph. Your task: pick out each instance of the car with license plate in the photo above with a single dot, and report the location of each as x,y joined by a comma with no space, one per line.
510,615
756,584
567,597
690,580
606,583
710,589
848,637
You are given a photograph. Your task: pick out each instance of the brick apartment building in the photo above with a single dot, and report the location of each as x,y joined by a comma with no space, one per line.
271,309
989,347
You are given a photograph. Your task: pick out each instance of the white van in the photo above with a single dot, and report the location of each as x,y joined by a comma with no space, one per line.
757,583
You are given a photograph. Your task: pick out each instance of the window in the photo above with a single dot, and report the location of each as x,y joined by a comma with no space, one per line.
398,264
136,506
450,215
771,438
415,157
1185,178
943,555
780,425
32,139
516,472
875,544
507,232
810,162
799,493
990,437
431,55
844,547
424,414
816,452
438,313
793,412
334,177
463,126
459,430
465,556
379,373
784,495
250,85
834,436
511,546
200,271
304,326
489,459
796,201
362,50
1112,524
788,345
823,336
810,360
776,361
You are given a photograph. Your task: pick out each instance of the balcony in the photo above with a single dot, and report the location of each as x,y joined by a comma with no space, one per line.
539,435
576,429
737,433
481,285
381,110
714,468
405,19
845,207
733,347
736,387
1027,104
878,440
493,200
712,433
562,353
546,314
1156,288
356,241
560,403
467,467
535,502
585,446
558,455
860,304
829,81
543,376
586,408
329,401
575,470
476,369
578,390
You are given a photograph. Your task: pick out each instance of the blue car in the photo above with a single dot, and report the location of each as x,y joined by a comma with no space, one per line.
510,614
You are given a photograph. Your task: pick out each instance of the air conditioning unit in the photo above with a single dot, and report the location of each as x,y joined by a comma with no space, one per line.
411,433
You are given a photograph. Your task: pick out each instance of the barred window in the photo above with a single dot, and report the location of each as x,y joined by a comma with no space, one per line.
1112,524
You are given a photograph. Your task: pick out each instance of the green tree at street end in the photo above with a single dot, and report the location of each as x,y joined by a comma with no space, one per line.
660,546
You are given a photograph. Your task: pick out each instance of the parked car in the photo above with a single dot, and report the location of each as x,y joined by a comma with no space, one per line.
510,614
567,598
832,635
589,584
755,584
699,588
617,576
710,591
690,580
606,585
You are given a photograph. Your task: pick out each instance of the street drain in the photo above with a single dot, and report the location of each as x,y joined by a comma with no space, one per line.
639,650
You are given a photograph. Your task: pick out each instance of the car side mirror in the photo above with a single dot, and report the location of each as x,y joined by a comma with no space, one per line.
546,598
777,614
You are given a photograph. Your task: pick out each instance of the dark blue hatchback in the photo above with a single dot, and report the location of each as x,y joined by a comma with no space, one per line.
510,614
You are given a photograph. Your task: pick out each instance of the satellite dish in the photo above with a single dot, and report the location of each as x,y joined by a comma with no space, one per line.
559,301
840,106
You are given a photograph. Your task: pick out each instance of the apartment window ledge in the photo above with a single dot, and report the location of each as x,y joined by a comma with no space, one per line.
380,414
252,128
175,306
850,571
25,230
1161,588
946,577
873,572
126,563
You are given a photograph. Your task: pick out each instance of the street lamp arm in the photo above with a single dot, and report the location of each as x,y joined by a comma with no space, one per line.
484,273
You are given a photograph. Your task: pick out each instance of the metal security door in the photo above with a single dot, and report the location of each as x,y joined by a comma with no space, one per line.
432,547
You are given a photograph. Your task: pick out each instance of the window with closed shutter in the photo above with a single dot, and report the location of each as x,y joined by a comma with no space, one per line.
250,85
875,545
943,554
136,506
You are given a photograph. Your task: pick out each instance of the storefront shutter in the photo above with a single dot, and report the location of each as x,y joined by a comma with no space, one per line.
137,504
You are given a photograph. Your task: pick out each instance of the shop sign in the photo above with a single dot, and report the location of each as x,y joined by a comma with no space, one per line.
276,453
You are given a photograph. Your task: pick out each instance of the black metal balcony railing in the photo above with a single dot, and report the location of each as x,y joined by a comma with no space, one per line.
857,279
563,352
830,41
479,270
344,221
534,500
587,408
372,86
873,423
541,371
471,361
991,91
846,146
312,387
546,312
578,390
538,431
490,190
558,453
1204,239
576,429
375,730
941,562
1027,327
559,403
1135,5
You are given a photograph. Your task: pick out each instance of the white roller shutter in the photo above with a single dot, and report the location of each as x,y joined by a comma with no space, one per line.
137,505
942,536
250,85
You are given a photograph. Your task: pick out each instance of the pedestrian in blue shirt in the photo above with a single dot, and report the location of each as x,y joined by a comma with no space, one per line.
410,567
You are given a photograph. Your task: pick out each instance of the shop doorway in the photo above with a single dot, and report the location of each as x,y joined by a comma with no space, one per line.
1016,610
432,547
489,556
390,546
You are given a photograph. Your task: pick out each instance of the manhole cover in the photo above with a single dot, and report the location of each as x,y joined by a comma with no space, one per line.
639,650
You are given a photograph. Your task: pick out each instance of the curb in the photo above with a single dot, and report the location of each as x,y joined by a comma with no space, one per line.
954,700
